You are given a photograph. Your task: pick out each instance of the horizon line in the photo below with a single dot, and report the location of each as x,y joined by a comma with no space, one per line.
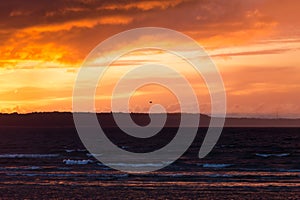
145,113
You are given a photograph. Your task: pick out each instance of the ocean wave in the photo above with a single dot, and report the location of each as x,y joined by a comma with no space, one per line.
32,168
107,176
192,175
269,169
14,168
93,155
28,155
289,170
136,165
220,175
77,162
75,150
215,165
265,155
42,174
99,176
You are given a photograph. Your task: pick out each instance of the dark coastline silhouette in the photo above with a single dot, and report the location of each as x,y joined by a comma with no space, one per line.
65,119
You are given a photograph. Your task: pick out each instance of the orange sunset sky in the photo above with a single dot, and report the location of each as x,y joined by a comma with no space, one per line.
254,43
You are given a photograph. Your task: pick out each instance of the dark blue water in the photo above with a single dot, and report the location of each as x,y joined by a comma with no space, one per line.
246,163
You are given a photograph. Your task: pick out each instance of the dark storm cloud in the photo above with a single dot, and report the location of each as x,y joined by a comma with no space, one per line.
18,14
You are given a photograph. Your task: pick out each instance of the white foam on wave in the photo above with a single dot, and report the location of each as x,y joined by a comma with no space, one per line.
77,162
93,155
265,155
75,150
28,155
215,165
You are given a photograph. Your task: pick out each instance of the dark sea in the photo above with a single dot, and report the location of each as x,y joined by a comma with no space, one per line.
246,163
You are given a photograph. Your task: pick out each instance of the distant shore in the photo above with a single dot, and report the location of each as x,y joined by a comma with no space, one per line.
65,119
